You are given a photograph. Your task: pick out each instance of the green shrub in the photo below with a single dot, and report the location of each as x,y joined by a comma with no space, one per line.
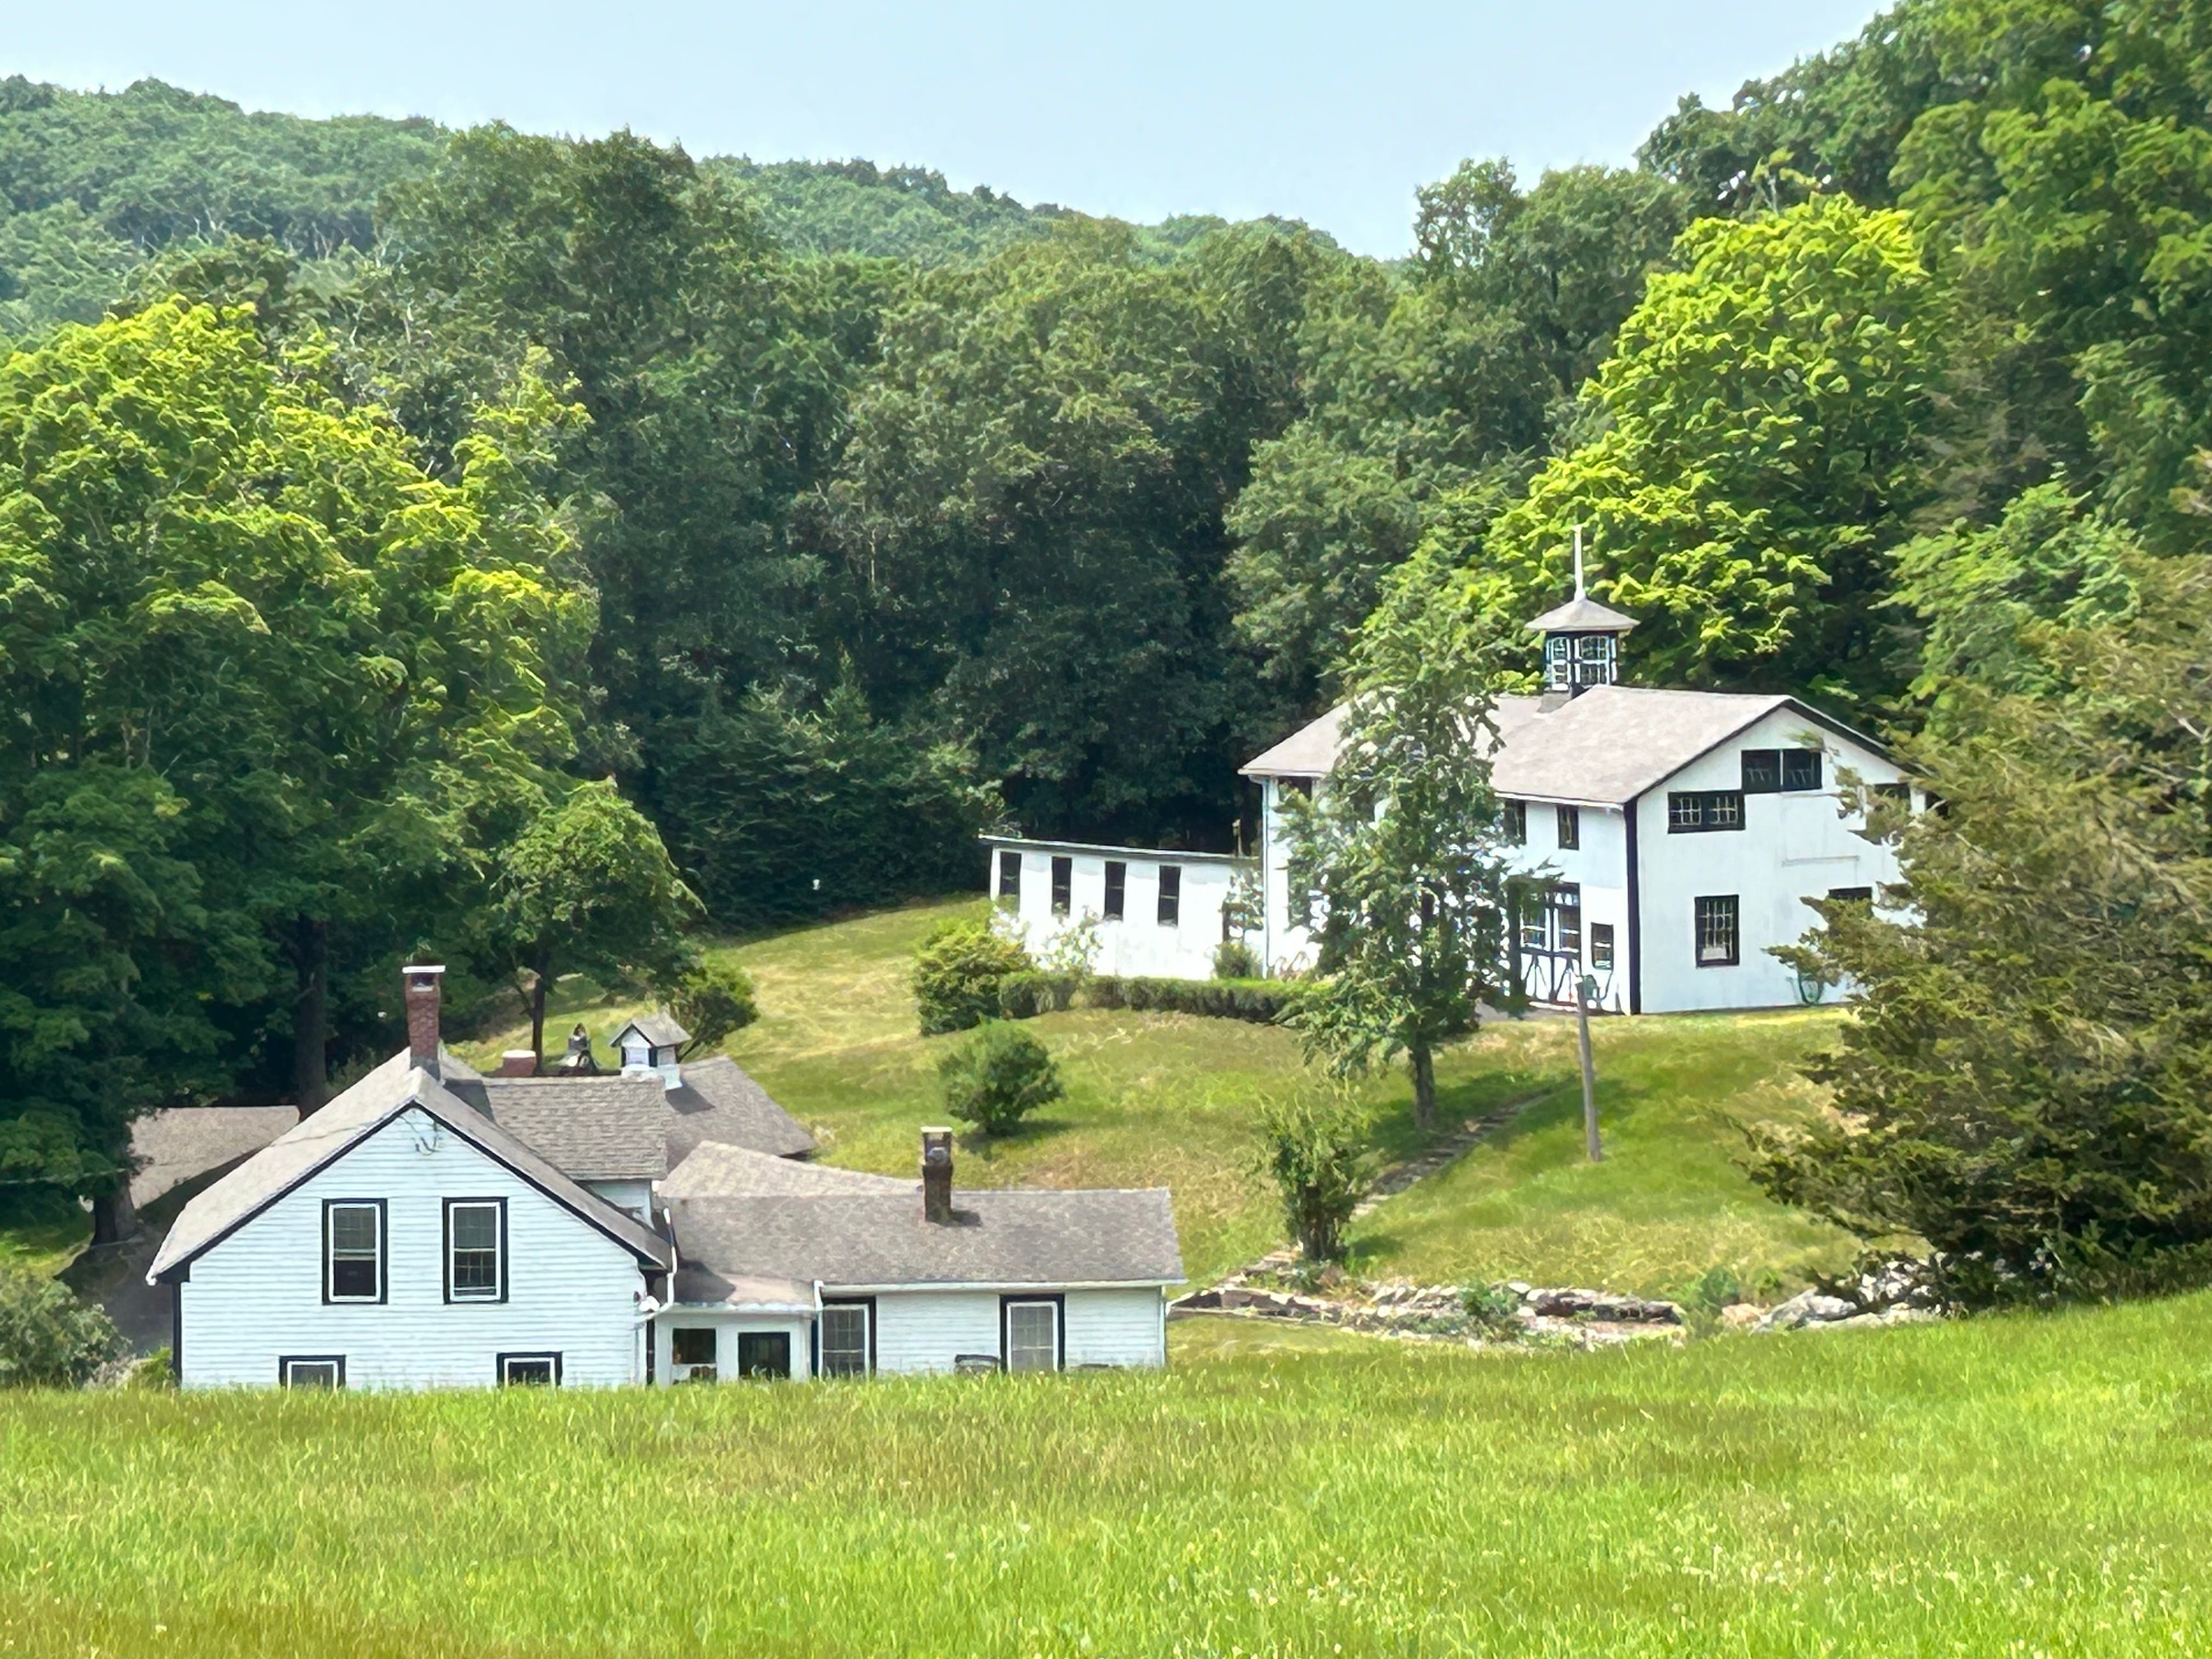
1492,1306
1310,1150
49,1338
957,973
997,1076
712,999
1233,959
1716,1288
1024,996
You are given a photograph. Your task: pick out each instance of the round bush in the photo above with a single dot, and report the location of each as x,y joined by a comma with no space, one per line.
957,976
712,999
998,1077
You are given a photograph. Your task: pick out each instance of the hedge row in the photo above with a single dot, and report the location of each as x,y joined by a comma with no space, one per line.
1260,1000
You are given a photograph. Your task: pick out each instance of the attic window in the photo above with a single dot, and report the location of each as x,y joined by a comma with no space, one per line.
1772,771
1800,769
353,1250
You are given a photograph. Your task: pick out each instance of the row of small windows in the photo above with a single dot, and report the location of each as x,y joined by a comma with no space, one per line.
328,1371
1167,901
1568,824
355,1250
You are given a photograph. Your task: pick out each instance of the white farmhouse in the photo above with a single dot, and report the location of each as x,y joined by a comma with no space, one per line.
432,1227
1681,832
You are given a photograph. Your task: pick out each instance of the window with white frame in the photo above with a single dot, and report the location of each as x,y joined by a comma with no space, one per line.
1719,945
692,1353
529,1370
353,1250
1009,874
322,1370
1032,1336
476,1250
846,1333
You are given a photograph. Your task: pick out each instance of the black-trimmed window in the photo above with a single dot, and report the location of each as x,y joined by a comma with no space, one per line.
542,1370
763,1354
692,1350
1302,787
1030,1334
1010,873
476,1250
1516,814
1694,812
1601,943
1571,828
1170,905
1719,939
847,1337
1801,770
353,1249
1900,793
1063,885
312,1370
1566,907
1117,889
1852,896
1762,771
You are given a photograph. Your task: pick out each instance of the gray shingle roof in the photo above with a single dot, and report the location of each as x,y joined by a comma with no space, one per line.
1001,1237
718,1102
658,1028
715,1171
329,1134
1582,614
597,1129
1603,748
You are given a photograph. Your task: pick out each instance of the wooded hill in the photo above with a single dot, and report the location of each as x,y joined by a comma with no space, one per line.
832,512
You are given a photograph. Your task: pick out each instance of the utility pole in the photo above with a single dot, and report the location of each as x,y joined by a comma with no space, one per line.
1586,987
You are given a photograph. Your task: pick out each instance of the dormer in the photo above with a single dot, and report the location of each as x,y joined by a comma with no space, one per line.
1582,640
650,1046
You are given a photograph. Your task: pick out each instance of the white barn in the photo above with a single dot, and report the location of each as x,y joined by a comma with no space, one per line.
1682,830
1159,913
435,1228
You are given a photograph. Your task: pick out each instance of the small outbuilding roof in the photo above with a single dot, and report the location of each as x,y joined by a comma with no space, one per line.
867,1239
658,1028
1582,614
392,1089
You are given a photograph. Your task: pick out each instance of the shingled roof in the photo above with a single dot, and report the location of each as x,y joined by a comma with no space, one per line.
717,1100
393,1088
597,1129
865,1239
716,1171
1603,748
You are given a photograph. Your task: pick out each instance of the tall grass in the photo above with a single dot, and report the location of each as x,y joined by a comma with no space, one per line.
2017,1486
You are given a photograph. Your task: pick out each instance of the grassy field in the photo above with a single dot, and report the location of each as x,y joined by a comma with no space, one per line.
1165,1099
2019,1485
41,1230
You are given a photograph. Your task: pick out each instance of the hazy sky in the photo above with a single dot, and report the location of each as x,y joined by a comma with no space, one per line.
1332,114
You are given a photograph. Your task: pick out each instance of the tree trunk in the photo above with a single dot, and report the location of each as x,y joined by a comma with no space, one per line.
311,1016
542,969
1425,1085
114,1218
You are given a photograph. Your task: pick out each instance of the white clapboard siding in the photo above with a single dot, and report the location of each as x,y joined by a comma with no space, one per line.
727,1328
258,1295
634,1196
1113,1328
926,1330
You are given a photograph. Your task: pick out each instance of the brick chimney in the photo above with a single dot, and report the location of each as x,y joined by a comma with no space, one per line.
937,1175
518,1062
421,980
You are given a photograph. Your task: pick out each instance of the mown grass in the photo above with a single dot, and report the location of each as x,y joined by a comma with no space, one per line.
42,1231
2011,1485
1169,1100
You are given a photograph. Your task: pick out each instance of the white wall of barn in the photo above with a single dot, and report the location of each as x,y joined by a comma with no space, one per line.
1793,847
1599,868
257,1296
1137,944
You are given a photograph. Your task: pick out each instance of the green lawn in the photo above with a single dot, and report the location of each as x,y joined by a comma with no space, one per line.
1168,1100
2017,1486
41,1230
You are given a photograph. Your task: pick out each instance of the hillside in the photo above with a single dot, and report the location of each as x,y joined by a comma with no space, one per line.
1169,1100
2004,1486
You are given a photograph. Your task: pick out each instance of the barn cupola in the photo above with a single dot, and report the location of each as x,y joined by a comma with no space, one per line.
651,1046
1582,640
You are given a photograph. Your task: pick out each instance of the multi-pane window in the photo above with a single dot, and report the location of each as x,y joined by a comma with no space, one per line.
1117,889
1601,938
1063,885
475,1249
1718,941
1566,906
1692,812
1769,771
1010,873
1571,828
1517,822
311,1371
1032,1336
692,1350
845,1338
1170,905
353,1250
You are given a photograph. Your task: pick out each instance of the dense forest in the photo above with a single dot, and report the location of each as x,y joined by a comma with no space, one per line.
371,494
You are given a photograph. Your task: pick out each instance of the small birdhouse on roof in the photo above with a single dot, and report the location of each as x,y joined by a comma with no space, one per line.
652,1043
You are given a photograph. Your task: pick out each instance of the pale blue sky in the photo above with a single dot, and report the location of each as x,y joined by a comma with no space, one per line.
1332,114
